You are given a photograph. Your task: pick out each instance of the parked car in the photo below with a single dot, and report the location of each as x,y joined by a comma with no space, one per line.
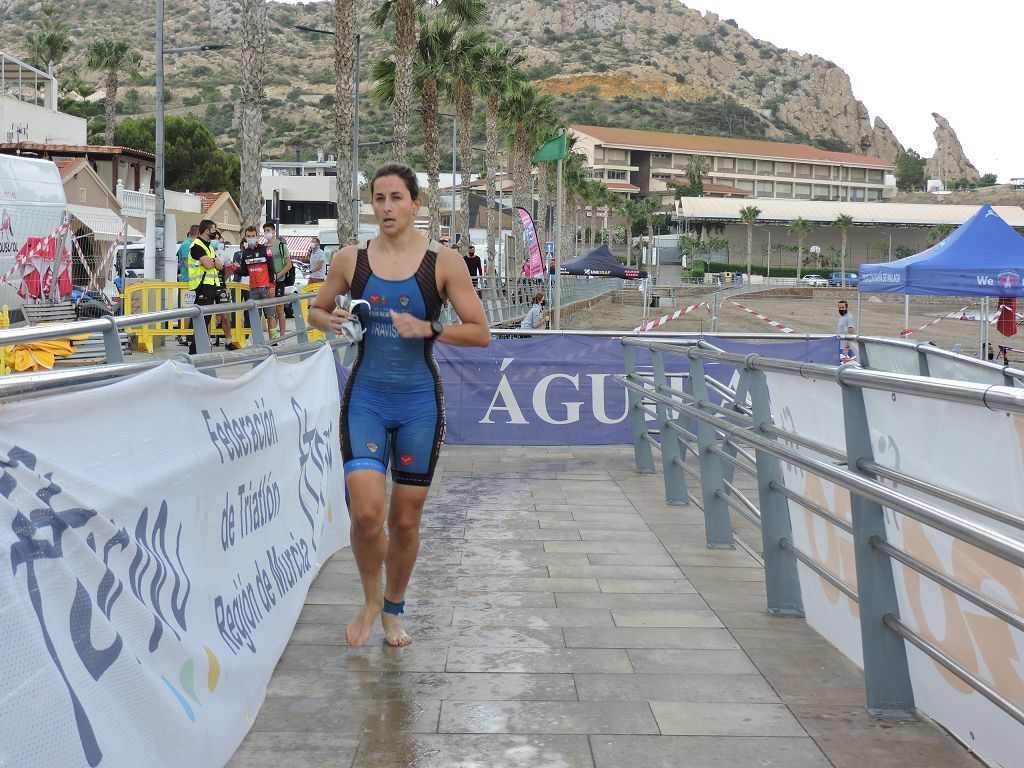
814,280
836,278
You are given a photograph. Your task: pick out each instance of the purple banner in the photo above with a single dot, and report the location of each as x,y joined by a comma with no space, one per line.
534,267
558,390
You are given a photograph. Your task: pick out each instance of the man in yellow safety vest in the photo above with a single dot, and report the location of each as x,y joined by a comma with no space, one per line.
204,279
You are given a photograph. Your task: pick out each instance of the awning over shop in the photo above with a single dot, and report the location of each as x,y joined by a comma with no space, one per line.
298,245
103,222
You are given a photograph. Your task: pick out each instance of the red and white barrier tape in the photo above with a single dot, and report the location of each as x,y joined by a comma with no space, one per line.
782,328
668,318
911,331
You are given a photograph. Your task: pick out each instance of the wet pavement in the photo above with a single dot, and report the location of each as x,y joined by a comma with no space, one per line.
564,616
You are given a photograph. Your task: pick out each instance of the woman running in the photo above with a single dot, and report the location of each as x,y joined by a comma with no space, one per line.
392,410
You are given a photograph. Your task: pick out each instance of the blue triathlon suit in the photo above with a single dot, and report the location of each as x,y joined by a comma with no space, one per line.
392,410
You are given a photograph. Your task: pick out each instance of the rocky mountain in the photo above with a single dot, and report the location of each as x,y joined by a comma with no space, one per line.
643,64
949,160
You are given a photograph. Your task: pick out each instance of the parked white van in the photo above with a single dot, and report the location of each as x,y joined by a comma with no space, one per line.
32,204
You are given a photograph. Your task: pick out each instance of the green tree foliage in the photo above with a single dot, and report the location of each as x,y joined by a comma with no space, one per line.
49,39
910,173
987,180
939,232
193,160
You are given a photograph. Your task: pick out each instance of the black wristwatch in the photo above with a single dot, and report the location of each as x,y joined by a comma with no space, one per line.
435,328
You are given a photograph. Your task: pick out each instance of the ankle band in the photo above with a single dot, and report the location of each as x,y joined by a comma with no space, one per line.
393,608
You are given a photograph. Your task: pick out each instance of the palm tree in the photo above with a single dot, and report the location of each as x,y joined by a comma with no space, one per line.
113,57
843,222
748,215
346,28
466,57
697,167
433,46
630,211
49,41
253,52
649,207
801,228
498,76
520,110
403,12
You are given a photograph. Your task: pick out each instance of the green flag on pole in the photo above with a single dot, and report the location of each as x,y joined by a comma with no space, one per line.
552,149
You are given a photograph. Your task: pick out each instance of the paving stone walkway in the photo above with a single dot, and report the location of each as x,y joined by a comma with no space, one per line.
565,617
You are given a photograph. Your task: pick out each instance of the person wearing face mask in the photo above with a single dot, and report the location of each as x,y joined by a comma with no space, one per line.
844,327
536,317
203,278
282,266
258,265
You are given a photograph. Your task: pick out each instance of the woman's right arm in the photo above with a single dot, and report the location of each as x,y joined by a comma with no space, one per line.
323,313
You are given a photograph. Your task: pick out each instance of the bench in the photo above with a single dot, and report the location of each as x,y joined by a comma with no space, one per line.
88,351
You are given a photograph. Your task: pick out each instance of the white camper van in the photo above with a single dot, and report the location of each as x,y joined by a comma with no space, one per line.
32,204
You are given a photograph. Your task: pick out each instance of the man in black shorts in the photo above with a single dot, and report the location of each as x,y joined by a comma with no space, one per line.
204,279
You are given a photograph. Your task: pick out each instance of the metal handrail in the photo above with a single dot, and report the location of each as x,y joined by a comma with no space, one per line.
983,538
928,349
887,685
953,666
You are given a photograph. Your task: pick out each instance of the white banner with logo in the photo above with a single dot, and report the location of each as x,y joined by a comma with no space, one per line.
157,539
968,449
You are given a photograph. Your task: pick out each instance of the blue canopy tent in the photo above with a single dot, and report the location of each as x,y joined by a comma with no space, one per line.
984,257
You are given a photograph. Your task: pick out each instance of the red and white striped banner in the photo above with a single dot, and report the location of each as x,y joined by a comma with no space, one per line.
911,331
668,318
782,328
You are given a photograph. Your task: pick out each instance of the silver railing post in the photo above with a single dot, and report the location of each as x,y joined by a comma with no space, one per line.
112,342
301,329
643,456
255,314
717,522
672,451
890,695
200,331
780,570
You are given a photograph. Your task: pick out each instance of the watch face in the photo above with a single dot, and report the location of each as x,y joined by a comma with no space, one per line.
436,327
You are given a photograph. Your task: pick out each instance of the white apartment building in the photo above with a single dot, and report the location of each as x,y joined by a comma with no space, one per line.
646,162
28,107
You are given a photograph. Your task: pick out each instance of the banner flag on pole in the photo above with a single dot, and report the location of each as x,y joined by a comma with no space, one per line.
552,149
535,264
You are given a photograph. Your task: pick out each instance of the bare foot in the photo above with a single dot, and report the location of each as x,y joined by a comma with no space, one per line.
357,632
394,634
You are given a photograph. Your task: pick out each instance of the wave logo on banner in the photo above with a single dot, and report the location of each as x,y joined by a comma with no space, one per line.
535,265
157,579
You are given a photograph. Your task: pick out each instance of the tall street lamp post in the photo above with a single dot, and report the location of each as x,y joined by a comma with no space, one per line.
160,217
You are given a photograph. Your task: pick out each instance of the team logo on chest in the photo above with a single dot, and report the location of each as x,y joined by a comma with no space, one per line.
403,300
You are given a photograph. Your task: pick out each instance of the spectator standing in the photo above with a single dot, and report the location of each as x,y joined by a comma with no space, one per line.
203,278
258,265
183,251
282,266
317,262
475,266
844,327
536,317
551,270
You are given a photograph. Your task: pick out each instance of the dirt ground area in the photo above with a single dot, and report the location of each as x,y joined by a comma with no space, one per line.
805,310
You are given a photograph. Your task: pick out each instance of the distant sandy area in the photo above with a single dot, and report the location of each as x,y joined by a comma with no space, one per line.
805,311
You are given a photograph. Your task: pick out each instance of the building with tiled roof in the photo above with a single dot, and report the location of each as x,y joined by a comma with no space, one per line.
651,162
134,168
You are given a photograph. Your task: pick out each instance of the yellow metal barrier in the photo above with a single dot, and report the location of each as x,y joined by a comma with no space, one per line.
314,334
5,322
139,298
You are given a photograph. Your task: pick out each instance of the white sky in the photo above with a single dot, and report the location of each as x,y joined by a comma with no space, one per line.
909,58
